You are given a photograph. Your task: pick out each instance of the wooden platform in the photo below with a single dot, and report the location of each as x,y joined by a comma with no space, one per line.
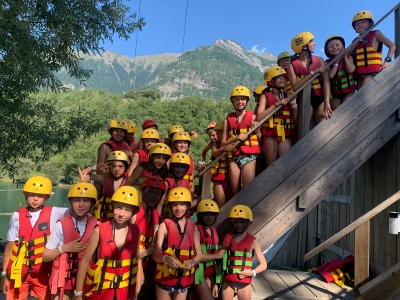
277,284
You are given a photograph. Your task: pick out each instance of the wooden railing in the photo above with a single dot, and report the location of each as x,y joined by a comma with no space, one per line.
361,226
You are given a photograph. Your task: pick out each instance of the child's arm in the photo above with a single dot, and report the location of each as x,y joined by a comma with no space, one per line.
134,163
100,169
261,259
198,258
84,263
298,84
139,274
134,176
224,139
350,67
205,150
295,112
388,43
326,87
6,259
102,155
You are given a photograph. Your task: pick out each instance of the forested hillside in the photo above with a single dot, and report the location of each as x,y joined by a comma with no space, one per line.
190,112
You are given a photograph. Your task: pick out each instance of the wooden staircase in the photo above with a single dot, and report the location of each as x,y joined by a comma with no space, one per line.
321,160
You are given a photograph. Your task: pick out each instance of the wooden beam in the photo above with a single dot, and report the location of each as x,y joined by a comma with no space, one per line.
397,40
384,286
361,247
205,185
353,225
290,215
269,184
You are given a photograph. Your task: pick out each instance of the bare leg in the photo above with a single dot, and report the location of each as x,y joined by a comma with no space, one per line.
319,114
244,293
284,147
248,173
347,97
364,81
227,291
271,147
162,294
204,291
234,177
335,103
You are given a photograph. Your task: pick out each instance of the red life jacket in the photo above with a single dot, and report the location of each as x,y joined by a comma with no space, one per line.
250,146
114,274
281,123
122,145
143,157
166,211
239,257
367,59
209,245
147,231
288,87
302,72
342,82
180,248
138,183
189,173
132,144
103,210
65,267
220,169
336,269
30,246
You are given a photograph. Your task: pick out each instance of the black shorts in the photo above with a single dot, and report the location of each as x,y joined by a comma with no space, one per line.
316,101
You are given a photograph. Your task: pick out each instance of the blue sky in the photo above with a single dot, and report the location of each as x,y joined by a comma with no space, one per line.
264,26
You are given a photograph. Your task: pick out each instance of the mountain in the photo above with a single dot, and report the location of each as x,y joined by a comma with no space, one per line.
207,72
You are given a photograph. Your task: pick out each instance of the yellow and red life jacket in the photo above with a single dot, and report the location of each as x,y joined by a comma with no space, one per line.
103,210
26,255
239,257
220,169
181,248
113,276
281,123
209,245
367,59
288,87
342,82
250,146
171,181
121,145
337,269
65,267
301,72
147,230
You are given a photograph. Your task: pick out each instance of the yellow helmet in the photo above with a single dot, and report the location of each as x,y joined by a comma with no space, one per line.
272,72
128,195
241,211
283,54
160,148
180,158
83,190
181,136
118,155
38,185
131,126
174,129
150,134
207,205
330,38
362,15
179,194
118,124
300,40
240,91
219,126
259,89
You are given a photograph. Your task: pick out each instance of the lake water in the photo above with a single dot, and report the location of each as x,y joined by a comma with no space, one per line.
12,199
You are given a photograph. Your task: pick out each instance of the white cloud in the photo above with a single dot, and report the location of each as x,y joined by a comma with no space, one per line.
255,49
322,50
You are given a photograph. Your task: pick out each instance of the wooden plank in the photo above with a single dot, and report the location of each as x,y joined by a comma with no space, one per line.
342,208
334,290
205,185
260,285
311,284
353,203
361,269
290,215
311,237
384,286
335,219
295,284
276,283
299,155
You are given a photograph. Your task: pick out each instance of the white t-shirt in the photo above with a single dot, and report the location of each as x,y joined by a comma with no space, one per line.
56,214
57,235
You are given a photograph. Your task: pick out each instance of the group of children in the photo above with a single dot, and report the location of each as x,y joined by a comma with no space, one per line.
133,225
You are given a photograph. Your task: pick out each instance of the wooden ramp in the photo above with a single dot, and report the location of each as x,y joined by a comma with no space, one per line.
277,284
321,160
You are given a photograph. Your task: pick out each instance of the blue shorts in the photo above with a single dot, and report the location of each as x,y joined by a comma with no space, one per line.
177,288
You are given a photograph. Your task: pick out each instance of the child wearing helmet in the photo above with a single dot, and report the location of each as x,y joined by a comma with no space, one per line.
149,137
303,67
179,166
205,283
159,154
277,130
177,250
219,171
68,240
116,272
240,247
181,142
242,163
130,135
117,163
23,270
213,137
341,73
368,52
283,61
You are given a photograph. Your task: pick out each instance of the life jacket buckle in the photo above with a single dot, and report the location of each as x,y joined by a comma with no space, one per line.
117,263
30,253
30,244
116,281
30,263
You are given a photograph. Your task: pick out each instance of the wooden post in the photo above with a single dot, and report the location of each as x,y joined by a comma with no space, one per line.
361,253
397,41
205,185
304,128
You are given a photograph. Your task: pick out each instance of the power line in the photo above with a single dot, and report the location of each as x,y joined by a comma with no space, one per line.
184,27
136,42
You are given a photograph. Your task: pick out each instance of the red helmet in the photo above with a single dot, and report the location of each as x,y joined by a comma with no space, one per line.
148,123
211,126
154,181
